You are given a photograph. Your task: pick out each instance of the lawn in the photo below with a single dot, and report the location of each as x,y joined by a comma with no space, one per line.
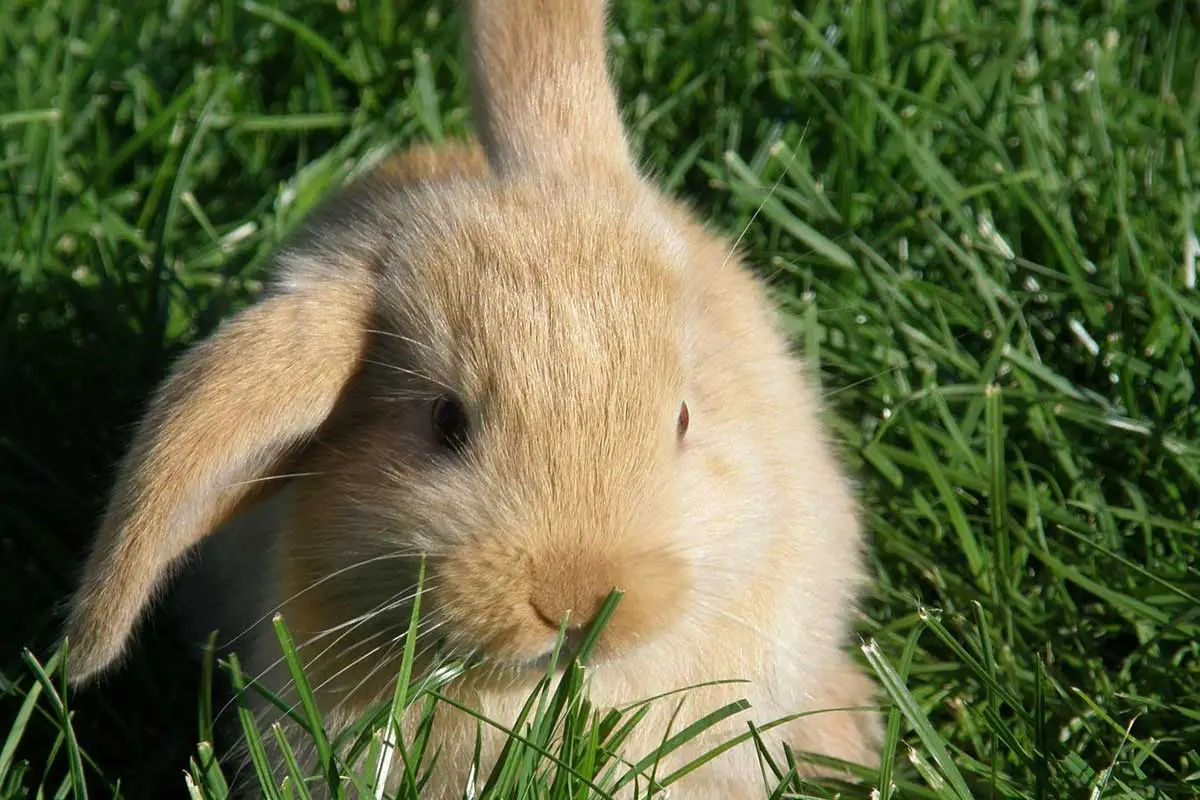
980,218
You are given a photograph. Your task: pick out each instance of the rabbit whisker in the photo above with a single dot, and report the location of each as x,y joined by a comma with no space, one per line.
313,585
773,639
268,479
770,193
385,630
412,373
401,337
321,686
350,626
353,624
387,660
395,637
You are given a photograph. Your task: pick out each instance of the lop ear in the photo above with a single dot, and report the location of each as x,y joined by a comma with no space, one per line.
541,94
231,409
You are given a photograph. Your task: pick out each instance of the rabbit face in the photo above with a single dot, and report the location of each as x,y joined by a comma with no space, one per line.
521,430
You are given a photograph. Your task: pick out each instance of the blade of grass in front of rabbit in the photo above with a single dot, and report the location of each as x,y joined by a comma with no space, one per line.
387,726
353,624
307,701
525,741
400,698
58,705
208,770
361,732
766,762
384,662
388,648
251,735
396,601
289,709
295,775
392,602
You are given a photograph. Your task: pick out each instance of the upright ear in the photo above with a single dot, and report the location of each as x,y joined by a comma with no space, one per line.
541,94
233,406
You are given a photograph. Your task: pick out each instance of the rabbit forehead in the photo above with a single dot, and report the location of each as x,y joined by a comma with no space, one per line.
524,282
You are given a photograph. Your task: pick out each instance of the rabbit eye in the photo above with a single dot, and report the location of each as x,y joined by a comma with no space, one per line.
450,423
683,420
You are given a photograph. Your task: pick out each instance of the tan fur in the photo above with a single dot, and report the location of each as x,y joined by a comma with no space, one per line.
217,422
572,308
430,163
540,91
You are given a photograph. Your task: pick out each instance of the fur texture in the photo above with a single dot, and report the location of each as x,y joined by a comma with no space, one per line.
564,311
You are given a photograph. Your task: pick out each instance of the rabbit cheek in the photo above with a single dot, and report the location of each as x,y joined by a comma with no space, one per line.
479,593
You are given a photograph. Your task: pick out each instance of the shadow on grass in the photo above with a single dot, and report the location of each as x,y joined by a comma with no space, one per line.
77,373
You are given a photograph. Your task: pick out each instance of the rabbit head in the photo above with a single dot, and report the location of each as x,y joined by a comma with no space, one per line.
518,419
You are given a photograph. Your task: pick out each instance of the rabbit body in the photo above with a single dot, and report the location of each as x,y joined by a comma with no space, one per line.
522,362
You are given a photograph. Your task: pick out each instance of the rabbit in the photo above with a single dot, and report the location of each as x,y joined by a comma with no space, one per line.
518,359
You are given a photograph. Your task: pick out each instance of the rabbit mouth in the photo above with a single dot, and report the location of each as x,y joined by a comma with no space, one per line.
553,660
559,651
553,652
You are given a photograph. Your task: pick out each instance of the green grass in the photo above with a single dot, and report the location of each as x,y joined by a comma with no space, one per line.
976,215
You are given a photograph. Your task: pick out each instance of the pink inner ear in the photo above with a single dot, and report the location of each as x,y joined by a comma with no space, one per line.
683,419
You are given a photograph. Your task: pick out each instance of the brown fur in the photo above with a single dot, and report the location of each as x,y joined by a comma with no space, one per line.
572,308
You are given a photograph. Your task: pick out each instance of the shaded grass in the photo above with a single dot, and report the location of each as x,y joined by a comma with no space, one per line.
977,220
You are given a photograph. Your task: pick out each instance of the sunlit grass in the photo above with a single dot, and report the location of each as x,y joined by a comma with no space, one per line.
979,218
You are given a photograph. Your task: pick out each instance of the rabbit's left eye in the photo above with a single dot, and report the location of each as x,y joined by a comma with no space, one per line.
681,430
450,423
